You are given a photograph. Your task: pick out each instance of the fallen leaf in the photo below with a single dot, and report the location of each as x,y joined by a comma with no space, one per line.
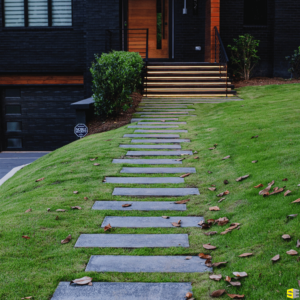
228,279
226,157
254,137
235,296
266,190
215,145
57,217
185,175
75,192
210,221
210,233
40,179
204,256
217,293
275,258
67,239
204,225
216,277
197,157
61,210
25,237
214,208
226,181
285,179
219,264
163,120
296,201
258,186
86,198
182,201
181,159
126,205
222,199
223,194
176,224
82,281
212,148
235,283
242,178
48,209
292,216
208,263
107,227
277,191
209,247
209,172
212,189
254,161
29,297
246,254
292,252
195,152
165,217
286,237
240,274
298,244
287,192
28,210
188,257
96,164
222,221
188,295
76,207
93,159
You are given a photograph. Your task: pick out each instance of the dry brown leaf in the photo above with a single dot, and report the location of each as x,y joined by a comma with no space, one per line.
285,179
222,221
163,120
38,180
211,148
254,161
275,258
208,263
188,295
29,297
242,178
126,205
209,247
228,279
67,239
226,181
214,208
185,175
254,137
76,207
222,199
61,210
271,183
204,225
197,157
182,201
82,281
93,159
210,233
176,224
298,244
75,192
181,159
258,186
216,277
25,237
240,274
292,252
246,254
235,296
57,217
48,209
107,227
277,191
96,164
226,157
235,283
212,189
188,257
210,221
223,194
287,193
217,293
204,256
219,264
165,217
28,210
296,201
286,237
265,191
209,172
85,198
292,216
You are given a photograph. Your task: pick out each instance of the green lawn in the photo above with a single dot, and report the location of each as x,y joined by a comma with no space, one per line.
34,267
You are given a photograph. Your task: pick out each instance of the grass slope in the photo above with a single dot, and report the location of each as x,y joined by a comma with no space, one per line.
35,266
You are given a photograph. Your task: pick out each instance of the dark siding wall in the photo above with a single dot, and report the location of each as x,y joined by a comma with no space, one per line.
44,50
189,32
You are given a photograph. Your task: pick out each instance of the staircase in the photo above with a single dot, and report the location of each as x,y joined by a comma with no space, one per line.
186,80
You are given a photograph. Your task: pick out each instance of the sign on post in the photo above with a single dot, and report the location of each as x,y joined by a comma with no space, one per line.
81,130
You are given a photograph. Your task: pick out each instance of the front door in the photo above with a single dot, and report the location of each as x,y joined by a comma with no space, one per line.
154,15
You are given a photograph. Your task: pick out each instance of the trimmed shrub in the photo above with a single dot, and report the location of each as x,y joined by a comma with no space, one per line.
116,76
244,55
294,61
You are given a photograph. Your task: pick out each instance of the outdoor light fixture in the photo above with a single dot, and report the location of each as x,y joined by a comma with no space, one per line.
184,11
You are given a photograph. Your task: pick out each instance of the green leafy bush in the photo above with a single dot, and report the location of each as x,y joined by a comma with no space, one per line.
116,76
244,55
294,61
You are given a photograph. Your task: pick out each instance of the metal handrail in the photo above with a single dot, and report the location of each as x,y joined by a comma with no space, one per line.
221,56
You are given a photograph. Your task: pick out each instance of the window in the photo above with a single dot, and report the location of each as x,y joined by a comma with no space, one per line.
256,12
14,126
37,13
13,109
14,143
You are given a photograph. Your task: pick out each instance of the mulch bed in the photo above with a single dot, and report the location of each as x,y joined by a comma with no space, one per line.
259,81
97,124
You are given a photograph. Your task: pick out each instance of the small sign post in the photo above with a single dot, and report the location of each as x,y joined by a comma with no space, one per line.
81,130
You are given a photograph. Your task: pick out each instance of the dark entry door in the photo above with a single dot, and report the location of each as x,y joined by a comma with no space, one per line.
154,15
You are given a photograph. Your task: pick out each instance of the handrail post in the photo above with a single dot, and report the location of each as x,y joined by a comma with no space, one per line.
215,45
147,34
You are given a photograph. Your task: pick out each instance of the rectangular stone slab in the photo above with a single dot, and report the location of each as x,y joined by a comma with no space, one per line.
168,108
160,131
162,141
162,126
165,136
158,119
158,153
162,113
139,205
150,222
151,146
144,180
152,123
155,192
123,291
163,116
147,161
132,240
174,170
147,264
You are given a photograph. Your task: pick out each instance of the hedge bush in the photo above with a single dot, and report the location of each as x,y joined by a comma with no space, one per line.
294,61
116,76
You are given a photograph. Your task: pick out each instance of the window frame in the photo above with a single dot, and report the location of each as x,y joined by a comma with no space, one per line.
26,20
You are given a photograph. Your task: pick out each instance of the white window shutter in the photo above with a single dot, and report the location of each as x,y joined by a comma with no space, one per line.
38,12
61,12
14,13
